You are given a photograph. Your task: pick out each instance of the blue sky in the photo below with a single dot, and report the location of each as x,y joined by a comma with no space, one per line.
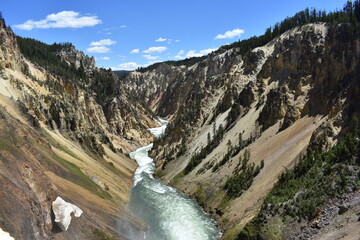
129,34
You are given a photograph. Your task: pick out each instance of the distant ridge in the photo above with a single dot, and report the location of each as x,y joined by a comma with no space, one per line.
121,73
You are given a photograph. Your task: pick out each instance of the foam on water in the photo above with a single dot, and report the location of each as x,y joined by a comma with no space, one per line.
169,214
159,131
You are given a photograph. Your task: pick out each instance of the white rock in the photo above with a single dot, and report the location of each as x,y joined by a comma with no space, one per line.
63,211
5,235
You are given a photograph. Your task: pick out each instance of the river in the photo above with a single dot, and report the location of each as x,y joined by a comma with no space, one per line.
169,214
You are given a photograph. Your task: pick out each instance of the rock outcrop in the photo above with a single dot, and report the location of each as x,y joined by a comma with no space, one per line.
56,132
63,212
268,101
73,56
231,114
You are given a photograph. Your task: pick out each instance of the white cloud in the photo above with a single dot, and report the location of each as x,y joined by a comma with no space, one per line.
127,66
230,34
114,28
180,55
98,49
104,42
177,40
194,53
135,51
64,19
102,58
160,39
207,51
155,49
150,57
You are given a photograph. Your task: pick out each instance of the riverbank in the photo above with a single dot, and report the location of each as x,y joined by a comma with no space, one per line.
169,214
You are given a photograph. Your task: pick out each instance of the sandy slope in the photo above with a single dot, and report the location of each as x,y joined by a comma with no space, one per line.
113,172
279,152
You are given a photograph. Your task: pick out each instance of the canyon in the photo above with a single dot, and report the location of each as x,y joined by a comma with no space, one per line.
233,118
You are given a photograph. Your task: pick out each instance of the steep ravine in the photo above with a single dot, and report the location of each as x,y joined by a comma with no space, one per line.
59,137
268,106
238,122
169,214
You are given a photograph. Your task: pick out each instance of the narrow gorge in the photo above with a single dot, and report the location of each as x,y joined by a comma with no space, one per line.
260,141
169,214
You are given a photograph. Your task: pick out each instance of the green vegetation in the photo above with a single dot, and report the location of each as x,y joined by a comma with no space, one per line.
182,150
226,158
7,146
198,157
242,177
104,84
187,62
200,195
349,14
101,235
317,177
177,178
81,179
46,56
226,102
206,166
69,152
231,152
103,81
121,74
31,118
2,19
234,113
242,144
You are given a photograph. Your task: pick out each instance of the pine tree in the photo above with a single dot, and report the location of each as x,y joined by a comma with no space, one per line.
208,139
240,140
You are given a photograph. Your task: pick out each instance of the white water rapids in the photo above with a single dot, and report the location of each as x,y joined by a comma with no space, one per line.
169,214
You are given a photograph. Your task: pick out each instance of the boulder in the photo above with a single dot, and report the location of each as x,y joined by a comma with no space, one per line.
62,211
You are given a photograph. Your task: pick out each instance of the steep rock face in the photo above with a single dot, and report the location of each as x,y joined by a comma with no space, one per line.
287,75
75,108
269,102
57,134
168,90
9,51
35,169
188,96
71,55
246,96
274,108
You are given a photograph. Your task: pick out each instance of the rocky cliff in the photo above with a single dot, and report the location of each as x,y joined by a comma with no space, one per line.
65,128
240,120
